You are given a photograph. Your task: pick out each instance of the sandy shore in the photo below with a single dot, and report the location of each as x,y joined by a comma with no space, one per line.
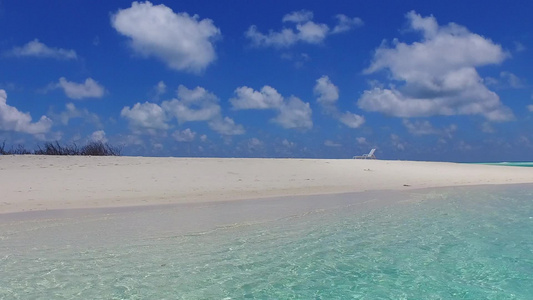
30,183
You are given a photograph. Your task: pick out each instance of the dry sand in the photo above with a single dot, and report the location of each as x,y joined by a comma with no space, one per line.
33,183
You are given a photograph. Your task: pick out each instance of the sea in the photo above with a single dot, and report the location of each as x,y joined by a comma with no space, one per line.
510,164
446,243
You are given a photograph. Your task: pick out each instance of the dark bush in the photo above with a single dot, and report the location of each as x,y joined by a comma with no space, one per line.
19,150
100,149
56,149
49,148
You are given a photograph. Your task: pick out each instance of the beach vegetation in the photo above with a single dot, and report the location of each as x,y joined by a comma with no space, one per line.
94,148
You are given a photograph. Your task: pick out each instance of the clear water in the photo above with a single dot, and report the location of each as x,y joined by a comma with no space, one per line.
511,164
468,243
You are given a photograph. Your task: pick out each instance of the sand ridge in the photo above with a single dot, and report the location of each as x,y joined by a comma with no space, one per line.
31,182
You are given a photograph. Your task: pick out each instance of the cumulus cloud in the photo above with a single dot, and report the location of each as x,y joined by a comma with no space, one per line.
191,105
72,112
298,17
146,115
11,119
329,143
98,136
351,120
302,30
183,42
226,126
186,135
512,80
486,127
530,107
254,144
419,127
361,140
37,49
327,95
247,98
88,89
159,89
345,23
287,143
439,74
519,47
424,127
506,80
292,112
397,142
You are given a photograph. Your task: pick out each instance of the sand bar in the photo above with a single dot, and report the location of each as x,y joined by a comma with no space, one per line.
36,183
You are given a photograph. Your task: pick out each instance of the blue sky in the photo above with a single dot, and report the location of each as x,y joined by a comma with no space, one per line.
422,80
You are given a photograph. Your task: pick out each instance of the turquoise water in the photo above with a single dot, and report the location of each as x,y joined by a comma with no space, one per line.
511,164
467,243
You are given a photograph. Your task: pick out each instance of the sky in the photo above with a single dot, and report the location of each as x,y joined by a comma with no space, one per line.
417,80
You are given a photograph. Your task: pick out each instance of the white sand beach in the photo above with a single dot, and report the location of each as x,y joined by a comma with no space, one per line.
37,183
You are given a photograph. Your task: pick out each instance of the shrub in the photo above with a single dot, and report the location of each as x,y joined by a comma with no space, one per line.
100,149
49,148
19,150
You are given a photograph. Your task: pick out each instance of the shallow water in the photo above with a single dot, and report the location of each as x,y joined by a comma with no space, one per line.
511,164
466,243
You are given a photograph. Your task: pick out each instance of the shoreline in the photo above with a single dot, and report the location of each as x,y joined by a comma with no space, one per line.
363,197
41,183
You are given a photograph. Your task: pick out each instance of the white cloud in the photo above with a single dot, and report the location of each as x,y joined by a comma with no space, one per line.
298,59
491,81
397,142
203,138
530,107
351,120
145,116
247,98
89,89
361,140
487,127
298,16
11,119
506,80
294,114
419,127
183,42
426,128
193,105
254,144
512,80
345,23
437,81
329,143
519,47
463,146
159,89
304,30
98,136
72,112
287,143
38,49
186,135
226,126
327,95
